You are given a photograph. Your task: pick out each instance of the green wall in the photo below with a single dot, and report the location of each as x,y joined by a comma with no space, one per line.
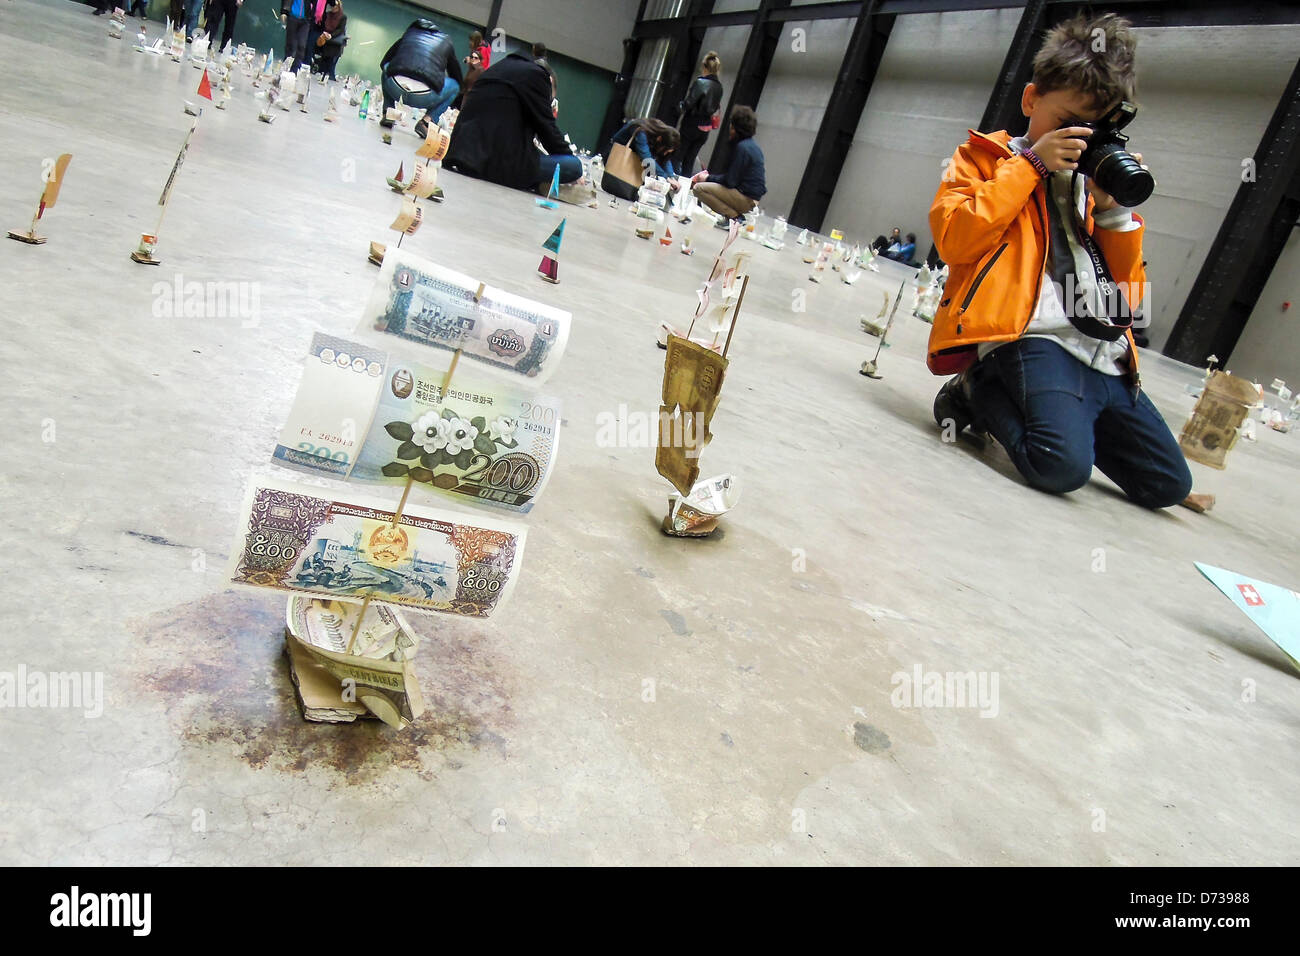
584,90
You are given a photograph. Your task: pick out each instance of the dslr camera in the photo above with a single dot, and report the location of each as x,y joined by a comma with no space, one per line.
1109,164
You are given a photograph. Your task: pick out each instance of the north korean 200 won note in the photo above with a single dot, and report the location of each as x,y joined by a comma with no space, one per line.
360,413
422,302
485,442
332,410
297,539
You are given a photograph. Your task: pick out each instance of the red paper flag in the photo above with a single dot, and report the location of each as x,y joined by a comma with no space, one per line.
205,88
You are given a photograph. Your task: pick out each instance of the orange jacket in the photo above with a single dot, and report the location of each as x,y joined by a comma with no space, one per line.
989,222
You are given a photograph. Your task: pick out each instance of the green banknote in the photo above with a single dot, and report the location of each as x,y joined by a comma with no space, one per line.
363,414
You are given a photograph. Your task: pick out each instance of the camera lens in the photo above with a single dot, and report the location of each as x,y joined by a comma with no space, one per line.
1115,170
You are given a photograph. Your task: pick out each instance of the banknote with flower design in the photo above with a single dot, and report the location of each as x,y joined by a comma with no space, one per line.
363,414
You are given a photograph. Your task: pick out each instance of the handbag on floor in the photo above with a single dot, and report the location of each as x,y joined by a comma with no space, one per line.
622,173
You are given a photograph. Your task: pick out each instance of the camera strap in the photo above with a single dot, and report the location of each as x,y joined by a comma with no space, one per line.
1089,294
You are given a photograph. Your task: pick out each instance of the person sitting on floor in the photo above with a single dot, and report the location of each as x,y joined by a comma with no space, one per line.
738,190
880,243
512,103
902,250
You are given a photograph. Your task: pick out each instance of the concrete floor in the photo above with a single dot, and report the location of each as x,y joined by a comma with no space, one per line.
1121,734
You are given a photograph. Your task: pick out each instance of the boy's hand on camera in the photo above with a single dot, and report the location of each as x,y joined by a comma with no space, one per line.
1061,148
1101,199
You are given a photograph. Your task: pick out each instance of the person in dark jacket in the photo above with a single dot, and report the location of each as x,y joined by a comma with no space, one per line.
511,103
739,189
334,28
421,69
218,11
698,108
296,15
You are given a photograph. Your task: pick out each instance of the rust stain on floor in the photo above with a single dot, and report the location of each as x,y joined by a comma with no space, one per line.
218,665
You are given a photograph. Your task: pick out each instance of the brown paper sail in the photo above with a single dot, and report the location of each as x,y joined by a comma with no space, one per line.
436,141
55,183
692,387
409,219
1211,432
424,182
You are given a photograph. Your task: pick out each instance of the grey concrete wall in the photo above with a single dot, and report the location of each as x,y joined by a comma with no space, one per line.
807,58
1270,345
474,11
932,86
1206,95
587,30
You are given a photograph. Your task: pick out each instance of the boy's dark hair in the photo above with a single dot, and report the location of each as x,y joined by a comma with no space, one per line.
1094,56
744,121
539,51
911,237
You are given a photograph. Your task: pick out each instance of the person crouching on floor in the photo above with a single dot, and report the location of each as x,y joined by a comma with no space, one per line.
738,190
1044,366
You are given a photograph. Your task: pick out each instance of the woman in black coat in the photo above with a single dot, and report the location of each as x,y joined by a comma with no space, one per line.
698,107
512,102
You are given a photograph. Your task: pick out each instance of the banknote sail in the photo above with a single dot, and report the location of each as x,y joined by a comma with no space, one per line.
361,414
297,539
332,411
422,302
378,672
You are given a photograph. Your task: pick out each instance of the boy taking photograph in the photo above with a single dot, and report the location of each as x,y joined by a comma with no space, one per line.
1046,271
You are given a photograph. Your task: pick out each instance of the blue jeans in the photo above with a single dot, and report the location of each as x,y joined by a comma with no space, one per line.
434,103
570,168
1056,417
192,10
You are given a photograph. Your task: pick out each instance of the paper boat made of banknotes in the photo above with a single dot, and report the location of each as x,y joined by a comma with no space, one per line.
696,515
376,678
